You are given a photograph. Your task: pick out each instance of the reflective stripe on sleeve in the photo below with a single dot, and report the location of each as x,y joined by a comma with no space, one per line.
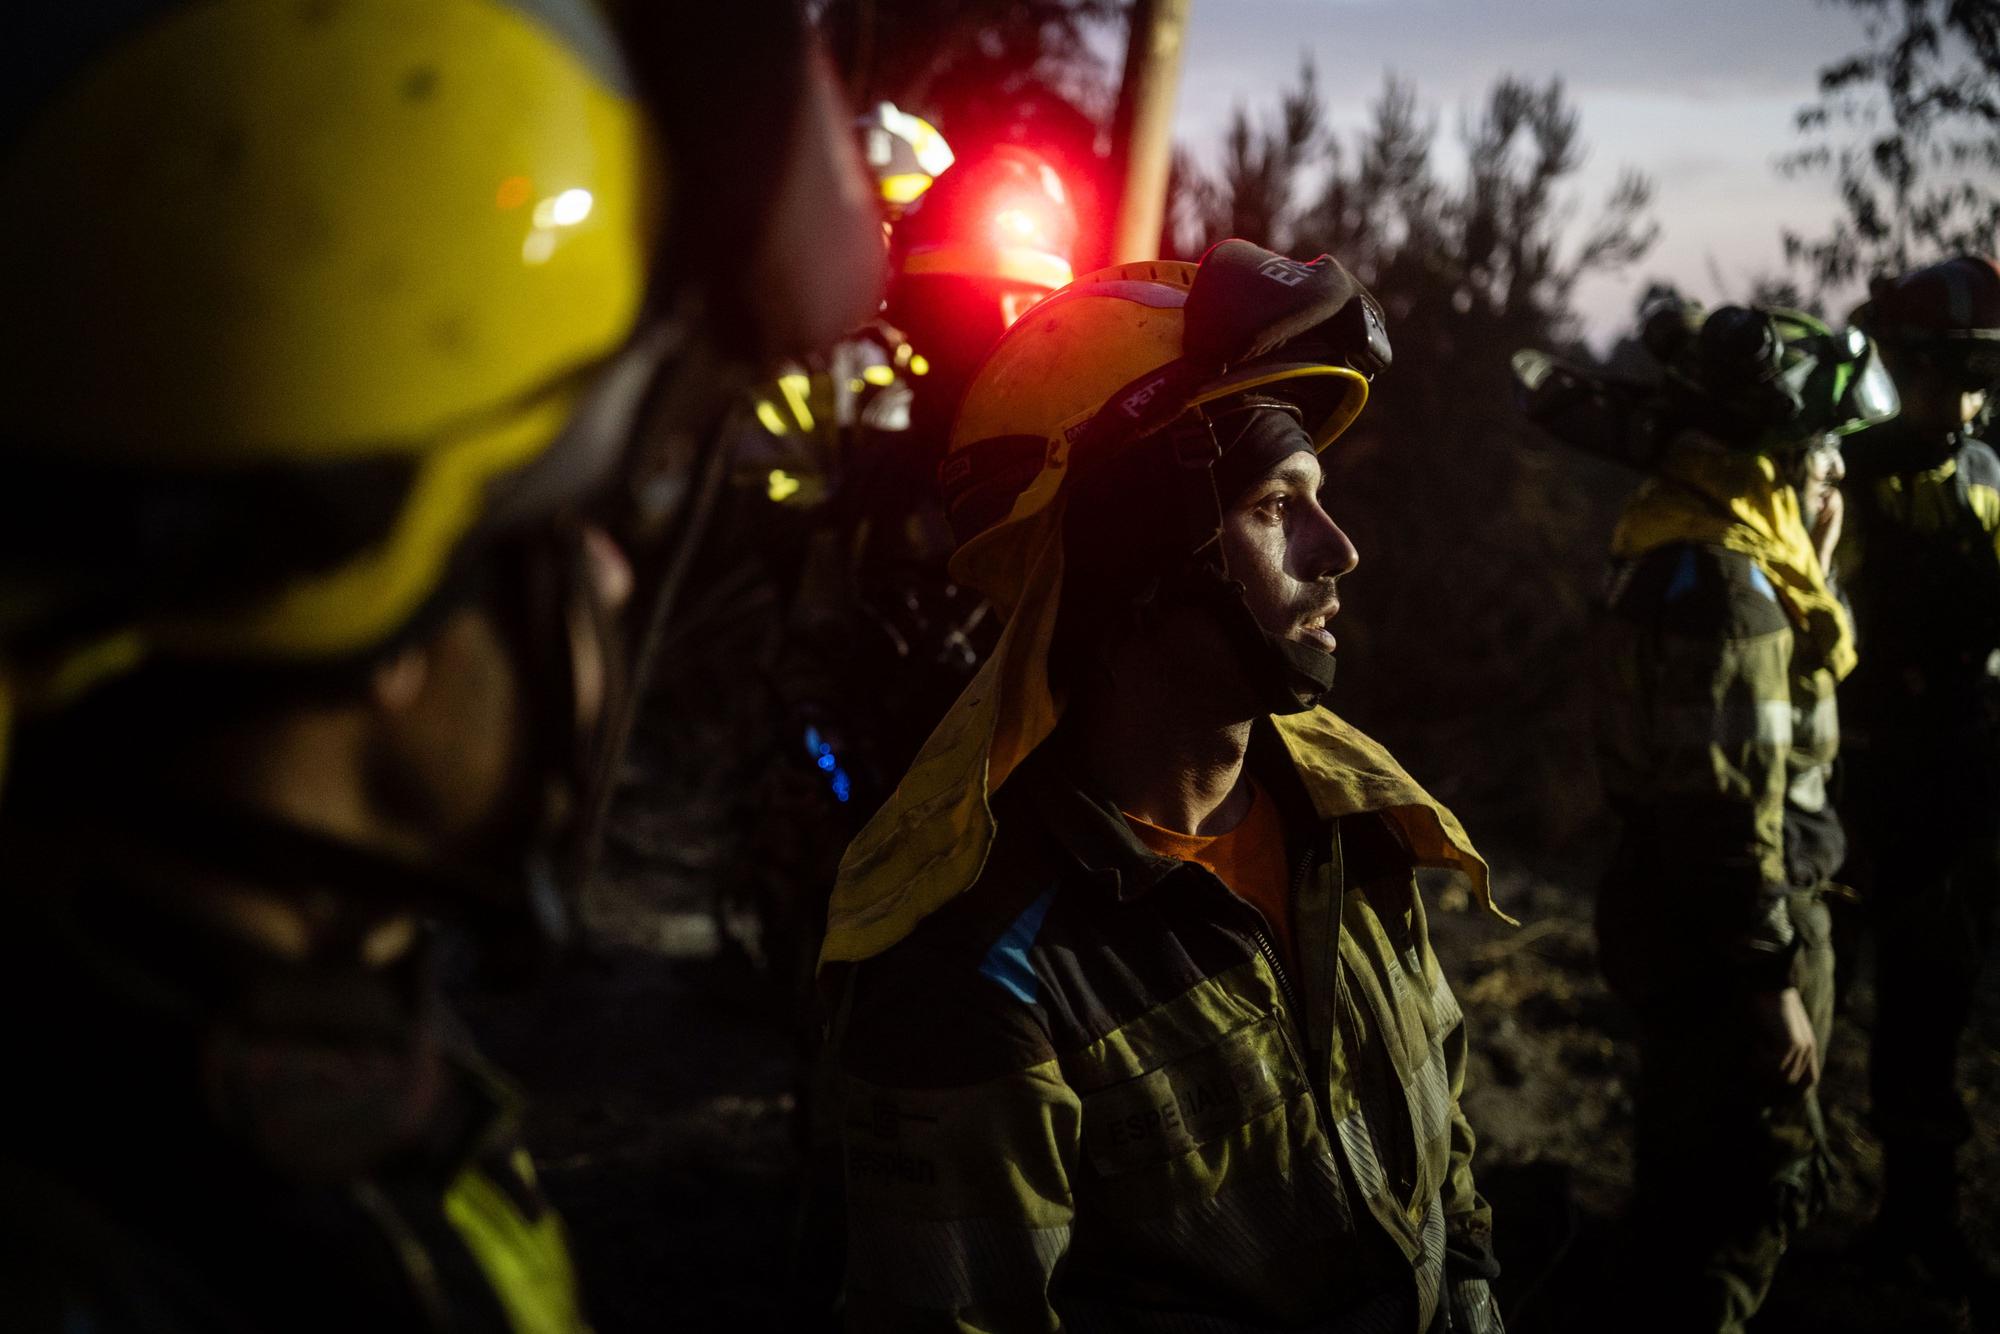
1430,1266
1358,1143
1733,726
1817,729
1444,1005
1807,789
1430,1101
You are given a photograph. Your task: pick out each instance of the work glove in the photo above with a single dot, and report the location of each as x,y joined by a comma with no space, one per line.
1470,1308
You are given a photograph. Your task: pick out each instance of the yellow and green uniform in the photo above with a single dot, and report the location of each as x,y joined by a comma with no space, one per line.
200,1138
1719,728
1920,556
1087,1093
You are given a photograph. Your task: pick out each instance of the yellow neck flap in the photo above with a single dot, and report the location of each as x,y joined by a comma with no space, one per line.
1711,496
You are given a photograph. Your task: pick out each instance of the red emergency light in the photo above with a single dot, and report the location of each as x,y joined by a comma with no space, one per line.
1002,218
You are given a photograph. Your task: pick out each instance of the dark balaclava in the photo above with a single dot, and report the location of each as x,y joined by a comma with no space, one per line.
1147,532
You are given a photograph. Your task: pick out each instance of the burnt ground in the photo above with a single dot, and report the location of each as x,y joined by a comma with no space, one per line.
663,1073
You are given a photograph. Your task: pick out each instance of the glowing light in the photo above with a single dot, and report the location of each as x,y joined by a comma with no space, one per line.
513,192
903,354
795,387
564,210
878,375
1016,223
920,364
781,485
768,418
539,245
829,764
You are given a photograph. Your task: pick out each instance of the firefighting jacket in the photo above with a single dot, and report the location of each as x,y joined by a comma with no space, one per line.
1717,736
195,1142
1087,1094
1920,557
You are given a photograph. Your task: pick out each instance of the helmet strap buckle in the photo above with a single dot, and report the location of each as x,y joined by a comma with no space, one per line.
1195,449
1197,446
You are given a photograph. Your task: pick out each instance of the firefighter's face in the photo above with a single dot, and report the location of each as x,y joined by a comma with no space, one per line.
1821,470
455,759
1280,543
1934,391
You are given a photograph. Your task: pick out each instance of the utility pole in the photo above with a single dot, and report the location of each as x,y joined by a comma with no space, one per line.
1142,143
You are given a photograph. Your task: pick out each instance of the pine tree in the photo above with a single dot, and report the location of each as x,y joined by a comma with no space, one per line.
1909,128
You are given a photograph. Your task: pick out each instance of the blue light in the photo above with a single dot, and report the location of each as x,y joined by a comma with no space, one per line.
842,788
826,761
812,741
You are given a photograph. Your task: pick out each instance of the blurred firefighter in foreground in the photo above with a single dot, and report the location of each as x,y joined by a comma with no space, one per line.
1921,561
328,335
1137,1015
1722,647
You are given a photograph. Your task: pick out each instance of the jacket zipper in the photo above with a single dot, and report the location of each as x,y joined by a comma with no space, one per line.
1293,1030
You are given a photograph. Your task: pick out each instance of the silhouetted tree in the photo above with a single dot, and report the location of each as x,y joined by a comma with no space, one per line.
1909,127
912,51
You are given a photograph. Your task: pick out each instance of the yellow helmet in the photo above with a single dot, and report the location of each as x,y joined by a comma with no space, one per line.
1126,350
905,152
286,257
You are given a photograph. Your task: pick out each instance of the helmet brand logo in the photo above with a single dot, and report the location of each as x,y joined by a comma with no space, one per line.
1289,272
1135,402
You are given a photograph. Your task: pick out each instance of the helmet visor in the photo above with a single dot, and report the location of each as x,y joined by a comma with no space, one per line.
1329,398
1865,395
1838,381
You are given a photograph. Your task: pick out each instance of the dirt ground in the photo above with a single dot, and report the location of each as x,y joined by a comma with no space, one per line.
664,1075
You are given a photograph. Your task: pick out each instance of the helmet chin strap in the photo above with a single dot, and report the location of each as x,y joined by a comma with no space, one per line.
1307,672
1285,676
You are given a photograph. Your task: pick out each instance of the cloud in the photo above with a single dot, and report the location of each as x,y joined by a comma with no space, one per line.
1699,94
1453,48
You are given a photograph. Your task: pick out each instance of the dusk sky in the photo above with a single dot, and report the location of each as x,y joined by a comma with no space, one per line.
1698,94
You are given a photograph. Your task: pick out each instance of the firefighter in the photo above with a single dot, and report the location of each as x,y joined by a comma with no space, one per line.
329,339
1137,1017
1921,561
1721,650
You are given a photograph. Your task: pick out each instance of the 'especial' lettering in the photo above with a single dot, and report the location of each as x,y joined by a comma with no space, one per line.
1184,1108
